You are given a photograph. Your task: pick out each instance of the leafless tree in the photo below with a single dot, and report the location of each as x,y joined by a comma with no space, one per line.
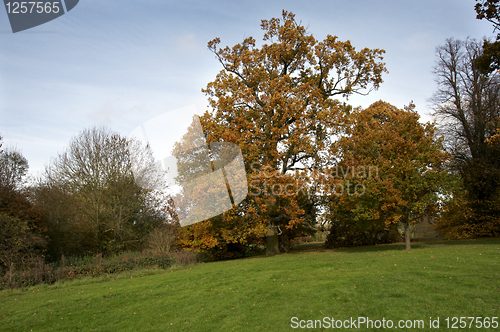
467,102
467,105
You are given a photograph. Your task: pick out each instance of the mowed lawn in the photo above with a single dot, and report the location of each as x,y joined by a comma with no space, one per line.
435,279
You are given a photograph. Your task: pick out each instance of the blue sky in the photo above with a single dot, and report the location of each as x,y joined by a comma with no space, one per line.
121,63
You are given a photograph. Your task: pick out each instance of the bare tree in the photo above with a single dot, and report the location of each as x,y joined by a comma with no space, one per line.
467,102
467,105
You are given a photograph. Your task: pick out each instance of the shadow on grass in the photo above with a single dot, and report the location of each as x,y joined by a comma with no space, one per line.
418,245
309,245
467,242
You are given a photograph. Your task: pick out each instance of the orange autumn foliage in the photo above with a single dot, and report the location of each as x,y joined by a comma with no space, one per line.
277,101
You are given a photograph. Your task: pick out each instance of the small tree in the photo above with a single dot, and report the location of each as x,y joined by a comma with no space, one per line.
65,230
392,170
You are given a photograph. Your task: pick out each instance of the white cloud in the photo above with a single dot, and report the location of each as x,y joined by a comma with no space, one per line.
187,44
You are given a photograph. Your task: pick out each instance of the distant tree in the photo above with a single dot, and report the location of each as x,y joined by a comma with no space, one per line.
391,171
467,105
18,204
278,102
13,168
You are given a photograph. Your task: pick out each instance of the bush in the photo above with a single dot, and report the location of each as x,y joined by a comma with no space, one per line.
20,247
350,235
94,266
162,238
184,257
224,251
345,235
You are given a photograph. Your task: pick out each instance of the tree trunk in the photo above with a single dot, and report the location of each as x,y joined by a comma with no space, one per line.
272,241
407,236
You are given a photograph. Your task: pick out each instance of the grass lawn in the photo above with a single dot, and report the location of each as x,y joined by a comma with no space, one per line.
435,279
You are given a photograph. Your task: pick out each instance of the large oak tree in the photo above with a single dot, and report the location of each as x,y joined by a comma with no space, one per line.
278,101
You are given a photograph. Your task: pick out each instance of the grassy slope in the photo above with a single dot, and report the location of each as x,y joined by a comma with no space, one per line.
434,279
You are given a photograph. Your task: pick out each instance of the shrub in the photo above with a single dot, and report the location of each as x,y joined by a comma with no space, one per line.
162,238
19,246
351,235
73,268
464,218
184,257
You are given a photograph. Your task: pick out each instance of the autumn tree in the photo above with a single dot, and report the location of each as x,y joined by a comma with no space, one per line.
278,101
467,104
90,190
390,171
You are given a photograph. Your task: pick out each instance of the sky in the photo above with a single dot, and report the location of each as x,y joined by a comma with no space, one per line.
122,63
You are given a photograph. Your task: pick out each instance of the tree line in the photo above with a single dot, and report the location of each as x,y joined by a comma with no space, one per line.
281,101
87,202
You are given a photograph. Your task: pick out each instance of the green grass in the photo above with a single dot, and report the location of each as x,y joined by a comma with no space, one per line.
435,279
